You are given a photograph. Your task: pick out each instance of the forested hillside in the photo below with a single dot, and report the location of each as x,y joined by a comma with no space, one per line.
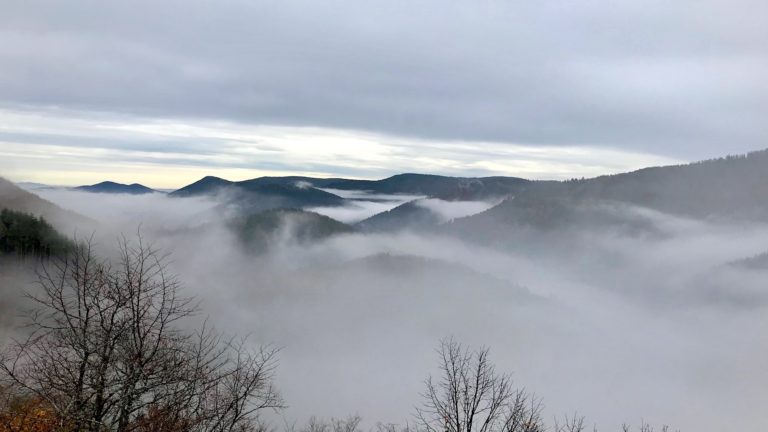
734,188
25,236
14,198
259,231
452,188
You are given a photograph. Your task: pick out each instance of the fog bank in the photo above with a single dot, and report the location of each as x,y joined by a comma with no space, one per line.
615,325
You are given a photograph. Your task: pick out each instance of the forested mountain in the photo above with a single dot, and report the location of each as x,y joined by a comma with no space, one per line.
211,185
730,188
757,262
13,197
117,188
409,215
260,230
734,186
24,235
256,195
292,181
208,185
449,188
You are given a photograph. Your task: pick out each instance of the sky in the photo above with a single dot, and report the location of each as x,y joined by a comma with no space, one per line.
166,92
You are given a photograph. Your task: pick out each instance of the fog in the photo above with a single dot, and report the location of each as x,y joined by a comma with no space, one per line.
448,210
365,204
616,325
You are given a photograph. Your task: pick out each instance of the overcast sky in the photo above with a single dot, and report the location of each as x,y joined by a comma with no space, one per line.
165,92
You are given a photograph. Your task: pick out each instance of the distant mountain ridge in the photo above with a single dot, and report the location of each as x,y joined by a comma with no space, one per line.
731,189
116,188
211,185
444,187
450,188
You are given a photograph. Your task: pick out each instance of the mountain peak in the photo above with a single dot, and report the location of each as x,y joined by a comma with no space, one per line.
114,187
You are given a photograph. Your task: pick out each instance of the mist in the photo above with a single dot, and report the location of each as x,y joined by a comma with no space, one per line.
448,210
617,326
364,204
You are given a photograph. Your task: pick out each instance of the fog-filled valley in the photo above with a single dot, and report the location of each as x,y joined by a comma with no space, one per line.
629,298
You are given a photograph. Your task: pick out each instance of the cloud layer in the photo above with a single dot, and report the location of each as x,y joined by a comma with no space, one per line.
458,87
617,326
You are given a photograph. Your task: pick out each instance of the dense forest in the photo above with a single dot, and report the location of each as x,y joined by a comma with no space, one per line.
25,235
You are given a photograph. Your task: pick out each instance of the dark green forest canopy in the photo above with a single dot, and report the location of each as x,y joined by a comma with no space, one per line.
25,235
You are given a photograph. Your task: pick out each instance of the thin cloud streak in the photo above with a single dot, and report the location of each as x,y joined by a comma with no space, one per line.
685,79
72,149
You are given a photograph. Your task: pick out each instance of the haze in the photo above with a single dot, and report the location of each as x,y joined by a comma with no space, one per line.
581,187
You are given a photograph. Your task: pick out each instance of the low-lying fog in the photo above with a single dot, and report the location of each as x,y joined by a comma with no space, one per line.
365,204
615,327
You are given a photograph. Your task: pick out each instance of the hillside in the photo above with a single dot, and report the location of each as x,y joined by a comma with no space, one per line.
734,188
757,262
292,181
15,198
212,185
24,235
409,215
256,195
116,188
258,232
208,185
449,188
730,187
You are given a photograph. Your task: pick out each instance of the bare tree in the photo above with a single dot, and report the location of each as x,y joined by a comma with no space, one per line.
470,396
572,424
315,424
107,350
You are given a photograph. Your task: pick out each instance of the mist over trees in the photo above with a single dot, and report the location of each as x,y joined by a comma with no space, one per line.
24,235
107,350
112,345
616,265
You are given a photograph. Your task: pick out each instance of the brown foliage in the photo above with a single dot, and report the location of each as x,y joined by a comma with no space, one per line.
27,414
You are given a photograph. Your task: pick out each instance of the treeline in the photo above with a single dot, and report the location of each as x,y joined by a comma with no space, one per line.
25,235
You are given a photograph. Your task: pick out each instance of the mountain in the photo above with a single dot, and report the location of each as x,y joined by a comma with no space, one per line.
297,195
730,187
265,193
734,188
449,188
261,230
17,199
32,186
116,188
208,185
756,262
409,215
211,185
297,181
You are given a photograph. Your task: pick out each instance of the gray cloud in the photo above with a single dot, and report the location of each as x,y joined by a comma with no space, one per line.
684,79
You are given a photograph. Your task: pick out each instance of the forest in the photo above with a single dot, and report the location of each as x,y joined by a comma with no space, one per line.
26,236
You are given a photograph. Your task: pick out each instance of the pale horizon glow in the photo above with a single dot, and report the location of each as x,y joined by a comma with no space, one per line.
93,91
75,148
